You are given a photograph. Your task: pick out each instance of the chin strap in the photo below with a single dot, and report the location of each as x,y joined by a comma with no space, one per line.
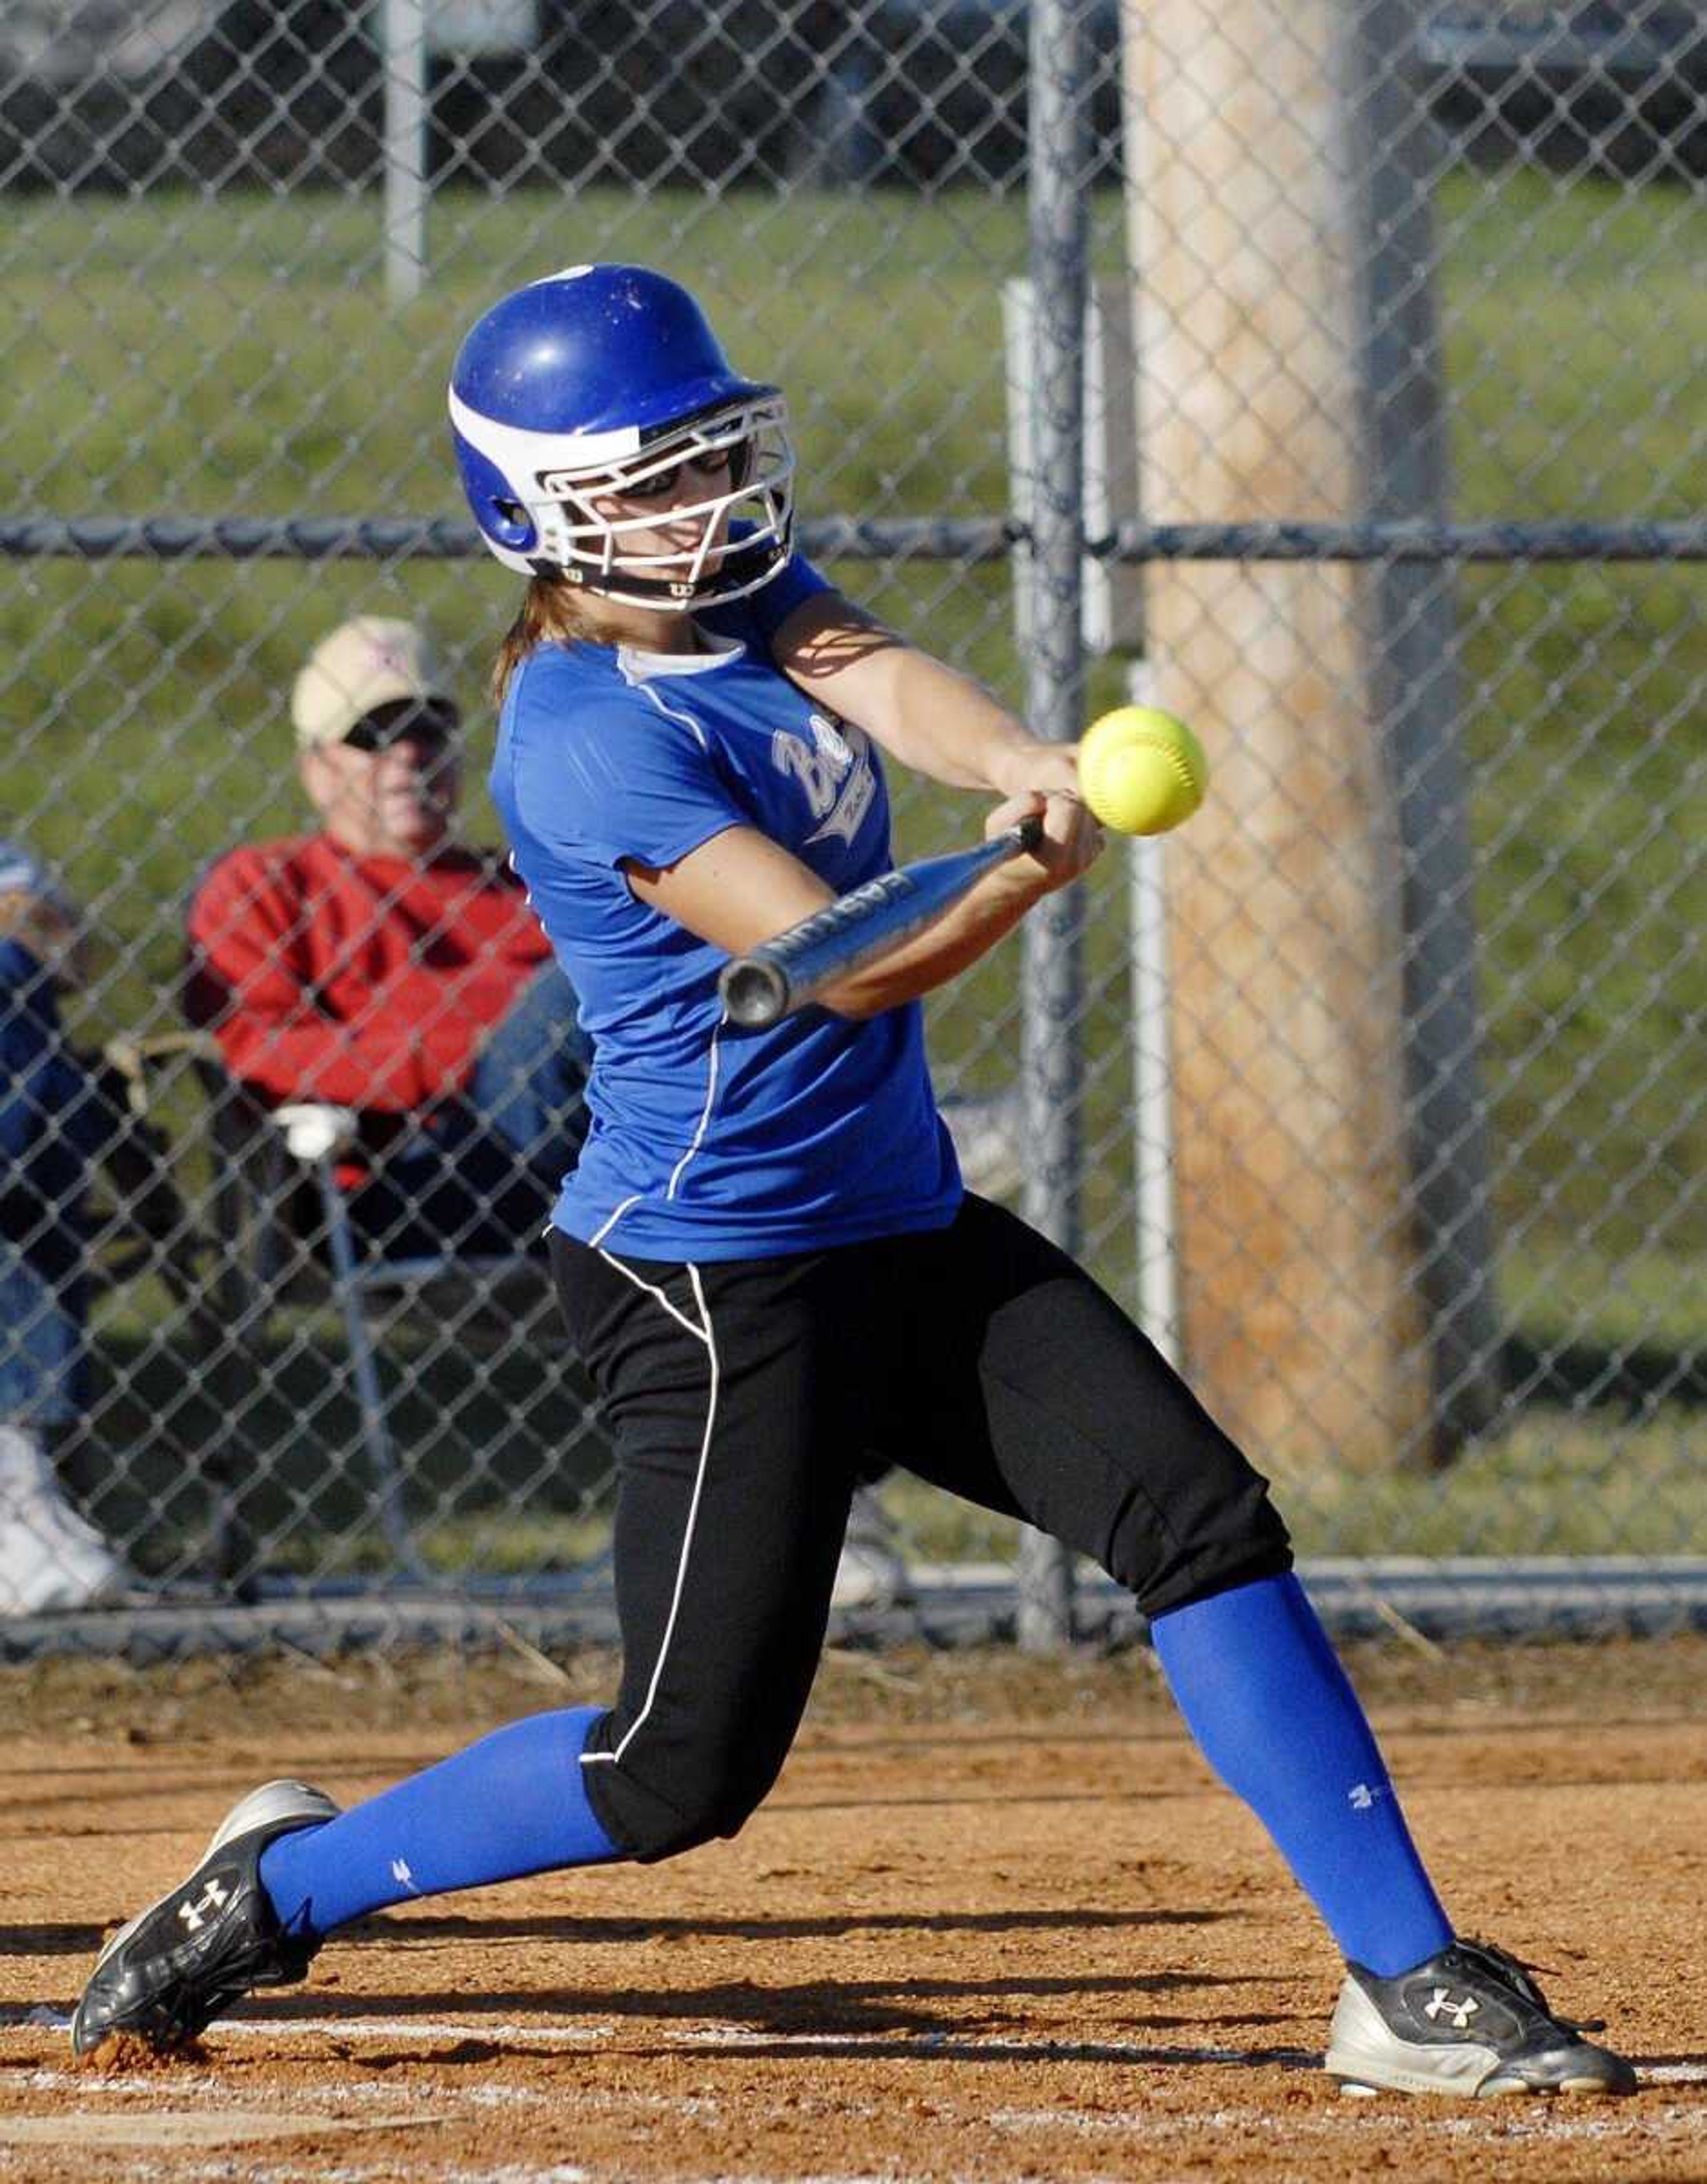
744,566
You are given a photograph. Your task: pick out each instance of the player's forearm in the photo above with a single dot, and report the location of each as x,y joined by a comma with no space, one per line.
980,920
943,724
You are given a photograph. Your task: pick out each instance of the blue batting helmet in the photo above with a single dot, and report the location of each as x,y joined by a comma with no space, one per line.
594,385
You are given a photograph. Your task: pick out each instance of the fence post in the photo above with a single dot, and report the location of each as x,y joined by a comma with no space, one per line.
1058,148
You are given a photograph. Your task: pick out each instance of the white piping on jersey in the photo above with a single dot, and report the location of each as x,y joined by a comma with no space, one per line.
610,1221
704,1333
704,1123
681,1167
639,669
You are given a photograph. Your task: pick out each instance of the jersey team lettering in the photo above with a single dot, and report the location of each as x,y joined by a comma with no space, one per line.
834,769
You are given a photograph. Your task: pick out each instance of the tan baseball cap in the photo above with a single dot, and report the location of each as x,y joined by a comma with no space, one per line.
364,664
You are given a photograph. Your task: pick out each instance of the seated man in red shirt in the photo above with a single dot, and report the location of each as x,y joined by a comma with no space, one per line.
381,966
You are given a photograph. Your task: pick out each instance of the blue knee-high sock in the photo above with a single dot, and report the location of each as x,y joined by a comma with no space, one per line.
1275,1716
515,1802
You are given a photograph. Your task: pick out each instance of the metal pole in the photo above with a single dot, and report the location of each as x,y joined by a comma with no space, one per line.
1152,1078
404,36
375,1429
1059,163
1152,1086
1417,704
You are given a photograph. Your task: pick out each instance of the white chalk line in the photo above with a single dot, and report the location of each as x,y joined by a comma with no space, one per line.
139,2169
1656,2125
516,2031
367,2028
1499,2123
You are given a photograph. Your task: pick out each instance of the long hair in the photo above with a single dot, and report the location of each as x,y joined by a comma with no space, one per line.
551,608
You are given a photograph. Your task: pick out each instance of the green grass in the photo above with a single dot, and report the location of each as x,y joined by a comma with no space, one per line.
1555,1482
238,356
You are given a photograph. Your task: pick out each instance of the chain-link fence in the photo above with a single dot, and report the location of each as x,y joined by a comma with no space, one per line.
1377,1091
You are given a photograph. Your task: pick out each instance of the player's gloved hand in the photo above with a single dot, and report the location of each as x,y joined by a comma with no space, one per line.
1071,843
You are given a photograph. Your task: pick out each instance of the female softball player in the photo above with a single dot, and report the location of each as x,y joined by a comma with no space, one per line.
764,1253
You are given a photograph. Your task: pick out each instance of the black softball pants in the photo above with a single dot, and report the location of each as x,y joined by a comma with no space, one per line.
747,1400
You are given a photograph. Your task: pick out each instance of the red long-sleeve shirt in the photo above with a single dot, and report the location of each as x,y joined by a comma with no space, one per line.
365,981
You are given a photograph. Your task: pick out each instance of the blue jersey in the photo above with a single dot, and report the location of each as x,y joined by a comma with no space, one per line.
708,1141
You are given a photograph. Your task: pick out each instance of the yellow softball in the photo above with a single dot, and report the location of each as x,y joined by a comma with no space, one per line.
1141,770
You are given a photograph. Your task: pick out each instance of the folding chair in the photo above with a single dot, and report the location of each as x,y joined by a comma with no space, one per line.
277,1228
286,1212
312,1136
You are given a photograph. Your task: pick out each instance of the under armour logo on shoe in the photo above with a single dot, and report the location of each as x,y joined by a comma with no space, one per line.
215,1897
1459,2011
399,1871
1362,1796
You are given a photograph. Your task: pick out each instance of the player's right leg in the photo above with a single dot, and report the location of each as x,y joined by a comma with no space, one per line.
1031,1392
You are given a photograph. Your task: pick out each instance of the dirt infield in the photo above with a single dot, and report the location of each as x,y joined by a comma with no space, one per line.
995,1923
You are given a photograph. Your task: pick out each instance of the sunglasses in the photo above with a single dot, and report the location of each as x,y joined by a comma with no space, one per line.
711,462
432,728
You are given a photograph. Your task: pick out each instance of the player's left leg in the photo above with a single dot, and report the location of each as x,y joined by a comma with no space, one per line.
1029,1390
739,1397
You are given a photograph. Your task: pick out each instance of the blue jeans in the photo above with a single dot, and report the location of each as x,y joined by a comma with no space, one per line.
482,1173
528,1083
41,1352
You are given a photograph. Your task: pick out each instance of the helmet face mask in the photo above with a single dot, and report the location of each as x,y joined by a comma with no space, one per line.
625,531
578,404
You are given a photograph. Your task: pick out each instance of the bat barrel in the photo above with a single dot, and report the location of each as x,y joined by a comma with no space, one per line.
754,992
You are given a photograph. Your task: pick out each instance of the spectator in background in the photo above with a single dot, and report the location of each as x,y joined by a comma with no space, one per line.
380,964
58,1118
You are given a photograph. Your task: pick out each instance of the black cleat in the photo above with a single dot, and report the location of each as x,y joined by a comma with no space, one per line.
168,1974
1470,2022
